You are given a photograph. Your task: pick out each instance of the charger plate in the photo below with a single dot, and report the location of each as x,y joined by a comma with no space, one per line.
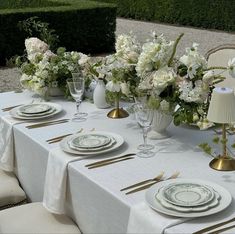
64,144
225,199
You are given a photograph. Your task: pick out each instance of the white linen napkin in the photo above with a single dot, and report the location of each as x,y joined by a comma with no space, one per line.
143,219
7,143
56,180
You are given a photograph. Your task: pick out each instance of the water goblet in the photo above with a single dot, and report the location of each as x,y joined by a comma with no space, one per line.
76,89
144,117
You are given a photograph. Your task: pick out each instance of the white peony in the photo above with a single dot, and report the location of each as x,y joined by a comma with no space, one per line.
231,67
113,86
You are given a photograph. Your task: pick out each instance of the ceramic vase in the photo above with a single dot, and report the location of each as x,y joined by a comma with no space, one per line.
99,95
160,123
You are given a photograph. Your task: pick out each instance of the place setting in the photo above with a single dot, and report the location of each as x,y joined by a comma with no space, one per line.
187,198
91,143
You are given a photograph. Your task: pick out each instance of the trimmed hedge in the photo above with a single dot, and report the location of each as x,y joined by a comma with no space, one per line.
84,26
213,14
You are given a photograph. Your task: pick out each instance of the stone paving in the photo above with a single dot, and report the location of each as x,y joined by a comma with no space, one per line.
207,39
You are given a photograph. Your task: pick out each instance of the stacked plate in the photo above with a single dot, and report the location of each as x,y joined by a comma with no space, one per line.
91,143
188,198
36,110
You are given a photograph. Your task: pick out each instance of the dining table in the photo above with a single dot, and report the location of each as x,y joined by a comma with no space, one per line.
92,196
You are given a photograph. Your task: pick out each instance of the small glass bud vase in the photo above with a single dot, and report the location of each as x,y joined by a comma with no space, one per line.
99,95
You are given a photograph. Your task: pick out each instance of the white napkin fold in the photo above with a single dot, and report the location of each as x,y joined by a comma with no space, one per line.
56,180
143,219
7,143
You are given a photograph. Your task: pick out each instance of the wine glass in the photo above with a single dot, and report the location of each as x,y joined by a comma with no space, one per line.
76,88
144,117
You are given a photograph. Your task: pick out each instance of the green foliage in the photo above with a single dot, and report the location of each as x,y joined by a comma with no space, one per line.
214,14
34,27
81,25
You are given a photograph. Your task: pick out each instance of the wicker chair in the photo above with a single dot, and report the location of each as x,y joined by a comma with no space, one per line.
219,56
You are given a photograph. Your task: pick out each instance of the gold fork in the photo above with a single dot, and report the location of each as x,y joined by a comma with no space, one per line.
173,176
59,138
144,182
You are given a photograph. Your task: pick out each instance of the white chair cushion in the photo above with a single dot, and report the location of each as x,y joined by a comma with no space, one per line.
34,218
10,191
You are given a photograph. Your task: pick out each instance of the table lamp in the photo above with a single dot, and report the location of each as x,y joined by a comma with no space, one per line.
222,110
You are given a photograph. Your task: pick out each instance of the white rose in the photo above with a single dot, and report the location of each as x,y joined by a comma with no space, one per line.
113,87
83,59
208,76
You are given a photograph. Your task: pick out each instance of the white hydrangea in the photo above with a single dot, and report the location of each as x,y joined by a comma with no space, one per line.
35,46
164,106
195,94
125,88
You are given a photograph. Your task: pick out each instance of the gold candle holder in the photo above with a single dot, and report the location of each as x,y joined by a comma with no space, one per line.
117,113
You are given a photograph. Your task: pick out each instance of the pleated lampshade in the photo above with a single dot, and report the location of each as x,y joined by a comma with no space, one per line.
222,106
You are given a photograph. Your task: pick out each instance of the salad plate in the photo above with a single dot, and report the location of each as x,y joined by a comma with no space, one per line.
34,108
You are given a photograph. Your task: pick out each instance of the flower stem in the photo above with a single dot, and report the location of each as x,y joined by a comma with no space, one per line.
174,49
216,67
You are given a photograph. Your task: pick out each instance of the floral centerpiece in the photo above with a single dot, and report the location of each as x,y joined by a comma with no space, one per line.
44,69
195,83
156,68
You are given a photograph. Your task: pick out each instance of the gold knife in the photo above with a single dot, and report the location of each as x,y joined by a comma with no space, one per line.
108,163
222,230
210,228
109,160
47,123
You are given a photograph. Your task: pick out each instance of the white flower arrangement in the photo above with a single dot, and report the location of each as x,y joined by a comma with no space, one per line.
44,69
157,72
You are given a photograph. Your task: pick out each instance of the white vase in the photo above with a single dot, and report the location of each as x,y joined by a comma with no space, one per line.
99,95
160,123
89,91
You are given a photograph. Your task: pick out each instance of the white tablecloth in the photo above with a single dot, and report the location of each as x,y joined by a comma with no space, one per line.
93,197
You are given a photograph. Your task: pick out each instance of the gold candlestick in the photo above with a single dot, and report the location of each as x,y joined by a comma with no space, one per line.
117,113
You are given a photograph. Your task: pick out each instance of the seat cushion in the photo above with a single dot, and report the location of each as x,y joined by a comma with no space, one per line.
10,191
34,218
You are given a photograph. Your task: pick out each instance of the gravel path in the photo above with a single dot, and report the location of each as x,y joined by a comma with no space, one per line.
207,39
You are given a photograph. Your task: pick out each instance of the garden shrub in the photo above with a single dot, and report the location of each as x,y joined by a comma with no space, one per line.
212,14
81,25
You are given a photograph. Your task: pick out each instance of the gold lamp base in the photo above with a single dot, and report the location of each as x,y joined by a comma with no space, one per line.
118,113
222,163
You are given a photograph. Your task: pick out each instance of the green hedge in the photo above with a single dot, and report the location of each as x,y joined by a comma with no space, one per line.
213,14
82,25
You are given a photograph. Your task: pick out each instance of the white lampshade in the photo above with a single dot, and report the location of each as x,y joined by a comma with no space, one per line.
222,106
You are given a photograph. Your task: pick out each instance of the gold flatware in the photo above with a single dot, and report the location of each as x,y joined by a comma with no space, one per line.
10,107
48,123
222,230
210,228
173,176
58,138
109,160
144,182
109,163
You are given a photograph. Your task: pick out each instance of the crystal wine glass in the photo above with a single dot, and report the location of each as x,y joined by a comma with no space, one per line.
144,117
76,88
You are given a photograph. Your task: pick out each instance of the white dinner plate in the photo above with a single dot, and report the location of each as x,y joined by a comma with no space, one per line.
51,110
224,202
90,140
65,146
34,108
57,107
214,202
94,149
187,194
